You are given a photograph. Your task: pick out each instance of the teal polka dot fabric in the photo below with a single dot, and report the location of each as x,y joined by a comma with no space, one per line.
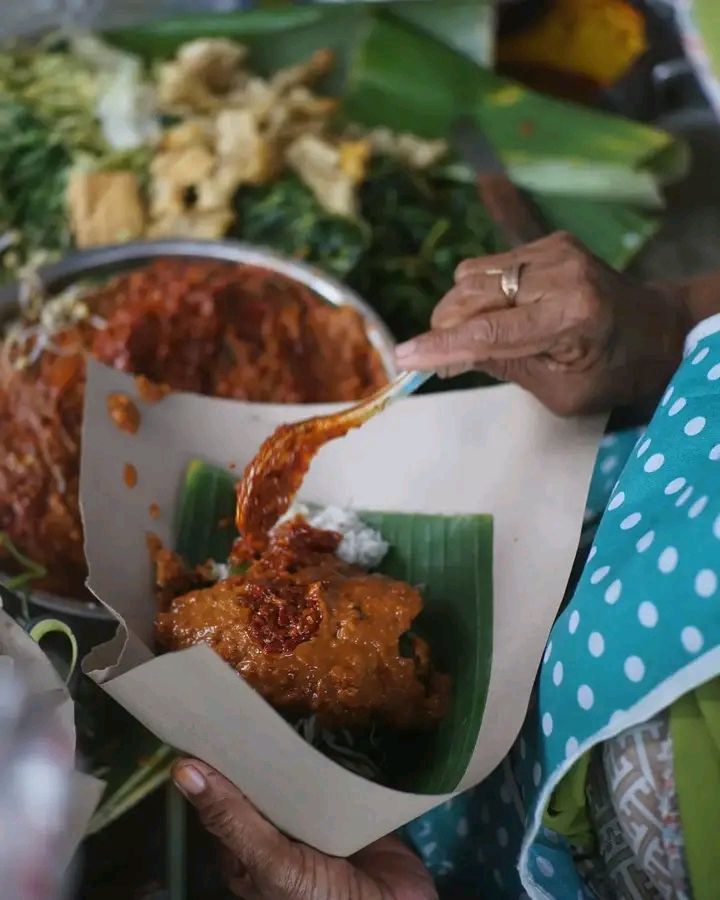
641,630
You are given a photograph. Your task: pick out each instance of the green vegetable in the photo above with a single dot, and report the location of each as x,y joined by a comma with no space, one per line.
59,88
29,570
451,558
33,172
415,229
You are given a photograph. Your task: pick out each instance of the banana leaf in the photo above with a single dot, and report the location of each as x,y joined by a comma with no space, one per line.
287,34
450,557
388,84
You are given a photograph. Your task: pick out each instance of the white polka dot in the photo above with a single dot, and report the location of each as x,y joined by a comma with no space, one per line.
694,426
666,396
462,827
571,746
654,463
548,652
616,717
616,501
672,487
547,724
706,583
697,507
505,793
573,621
684,497
668,560
557,675
692,639
429,849
608,440
715,453
645,541
642,449
609,464
677,406
585,696
503,837
714,373
700,356
598,575
545,866
612,594
716,527
634,668
537,774
596,644
498,878
648,614
630,521
591,554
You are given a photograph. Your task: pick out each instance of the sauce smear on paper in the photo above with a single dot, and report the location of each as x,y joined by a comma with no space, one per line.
123,412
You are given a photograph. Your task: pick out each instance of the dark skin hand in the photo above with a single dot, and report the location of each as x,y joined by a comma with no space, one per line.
260,863
580,336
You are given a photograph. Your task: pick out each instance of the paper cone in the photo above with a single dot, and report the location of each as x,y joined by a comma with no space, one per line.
494,451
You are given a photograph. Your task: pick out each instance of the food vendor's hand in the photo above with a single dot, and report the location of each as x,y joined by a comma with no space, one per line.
578,335
262,864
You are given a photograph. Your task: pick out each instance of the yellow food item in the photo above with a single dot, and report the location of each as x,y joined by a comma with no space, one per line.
597,39
104,207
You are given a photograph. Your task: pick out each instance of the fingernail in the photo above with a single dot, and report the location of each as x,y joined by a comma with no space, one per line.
189,780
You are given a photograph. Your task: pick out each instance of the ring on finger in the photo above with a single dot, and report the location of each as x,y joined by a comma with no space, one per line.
509,280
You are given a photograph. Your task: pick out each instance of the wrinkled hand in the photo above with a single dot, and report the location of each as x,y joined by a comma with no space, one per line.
262,864
580,336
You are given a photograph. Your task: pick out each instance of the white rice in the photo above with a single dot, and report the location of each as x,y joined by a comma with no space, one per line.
361,545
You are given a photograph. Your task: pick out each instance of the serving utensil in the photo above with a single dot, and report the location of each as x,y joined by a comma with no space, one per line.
273,477
512,212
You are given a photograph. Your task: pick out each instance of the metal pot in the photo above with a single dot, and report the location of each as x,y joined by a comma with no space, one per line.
117,258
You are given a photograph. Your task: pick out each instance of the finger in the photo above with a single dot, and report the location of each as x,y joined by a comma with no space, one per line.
551,243
481,293
270,859
505,334
453,371
395,866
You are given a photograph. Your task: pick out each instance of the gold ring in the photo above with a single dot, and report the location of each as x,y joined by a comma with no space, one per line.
509,280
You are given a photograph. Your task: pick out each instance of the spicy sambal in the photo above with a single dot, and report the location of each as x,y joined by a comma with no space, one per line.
314,635
211,327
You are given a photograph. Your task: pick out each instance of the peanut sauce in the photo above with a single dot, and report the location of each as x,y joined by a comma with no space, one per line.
274,476
124,413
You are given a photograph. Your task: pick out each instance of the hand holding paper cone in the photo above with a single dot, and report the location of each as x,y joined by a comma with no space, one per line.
261,863
494,446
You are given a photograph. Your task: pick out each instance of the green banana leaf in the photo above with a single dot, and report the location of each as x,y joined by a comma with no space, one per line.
450,557
287,34
388,83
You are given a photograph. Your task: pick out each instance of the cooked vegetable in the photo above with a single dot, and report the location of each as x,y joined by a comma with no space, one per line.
414,229
33,172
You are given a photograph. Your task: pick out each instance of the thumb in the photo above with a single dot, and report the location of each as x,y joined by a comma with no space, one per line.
271,861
